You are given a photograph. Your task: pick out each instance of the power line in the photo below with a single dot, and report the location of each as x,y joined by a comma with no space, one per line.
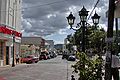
45,4
93,9
35,6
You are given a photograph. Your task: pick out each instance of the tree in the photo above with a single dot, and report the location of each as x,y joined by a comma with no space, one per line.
97,39
86,67
69,45
94,38
90,71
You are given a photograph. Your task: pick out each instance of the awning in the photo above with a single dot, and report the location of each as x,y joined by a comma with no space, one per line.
5,30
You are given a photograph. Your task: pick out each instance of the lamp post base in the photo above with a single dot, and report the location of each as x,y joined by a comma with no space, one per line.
13,65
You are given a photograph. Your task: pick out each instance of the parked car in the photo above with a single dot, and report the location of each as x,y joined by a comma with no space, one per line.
54,54
65,56
28,59
71,58
51,54
48,56
36,59
43,56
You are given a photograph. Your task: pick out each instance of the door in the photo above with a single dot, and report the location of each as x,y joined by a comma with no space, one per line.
7,55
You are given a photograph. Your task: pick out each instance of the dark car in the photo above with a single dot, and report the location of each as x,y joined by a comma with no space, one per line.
65,56
43,57
71,58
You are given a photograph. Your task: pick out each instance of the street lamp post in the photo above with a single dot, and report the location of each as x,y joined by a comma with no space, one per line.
83,23
83,17
13,61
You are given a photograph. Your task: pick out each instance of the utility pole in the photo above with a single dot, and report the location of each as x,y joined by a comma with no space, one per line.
108,75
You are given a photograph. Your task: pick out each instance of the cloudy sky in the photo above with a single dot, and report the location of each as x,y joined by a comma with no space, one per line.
47,18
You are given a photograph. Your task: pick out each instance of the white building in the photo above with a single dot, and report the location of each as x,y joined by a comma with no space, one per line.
50,45
64,46
10,24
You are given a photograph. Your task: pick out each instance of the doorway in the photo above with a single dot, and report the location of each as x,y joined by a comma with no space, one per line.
7,55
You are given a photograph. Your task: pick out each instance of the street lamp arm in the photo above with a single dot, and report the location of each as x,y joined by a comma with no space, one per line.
76,28
73,29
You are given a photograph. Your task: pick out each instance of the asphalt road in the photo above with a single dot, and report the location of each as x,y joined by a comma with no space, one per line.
53,69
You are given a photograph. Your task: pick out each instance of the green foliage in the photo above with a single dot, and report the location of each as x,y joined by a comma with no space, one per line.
94,38
86,67
78,36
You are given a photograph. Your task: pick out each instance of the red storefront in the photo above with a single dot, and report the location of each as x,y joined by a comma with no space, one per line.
6,44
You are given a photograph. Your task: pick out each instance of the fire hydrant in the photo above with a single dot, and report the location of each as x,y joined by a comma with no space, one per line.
72,77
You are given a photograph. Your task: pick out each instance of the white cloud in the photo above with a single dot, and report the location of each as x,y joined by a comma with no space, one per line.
26,24
62,31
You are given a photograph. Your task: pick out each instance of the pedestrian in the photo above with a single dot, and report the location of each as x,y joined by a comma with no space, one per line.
115,65
72,77
17,59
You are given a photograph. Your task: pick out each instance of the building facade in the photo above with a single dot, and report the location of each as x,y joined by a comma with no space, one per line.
50,45
32,46
10,30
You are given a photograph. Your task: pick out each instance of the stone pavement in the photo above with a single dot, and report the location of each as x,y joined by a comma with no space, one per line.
53,69
40,64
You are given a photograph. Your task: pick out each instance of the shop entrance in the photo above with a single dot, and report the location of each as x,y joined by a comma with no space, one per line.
7,55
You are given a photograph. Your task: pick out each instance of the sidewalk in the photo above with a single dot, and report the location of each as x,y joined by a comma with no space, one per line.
2,68
5,67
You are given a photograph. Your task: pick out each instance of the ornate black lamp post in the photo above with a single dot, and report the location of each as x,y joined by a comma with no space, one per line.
95,19
13,61
83,17
83,24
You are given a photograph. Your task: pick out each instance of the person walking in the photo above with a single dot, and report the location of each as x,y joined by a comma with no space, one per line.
17,59
115,65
